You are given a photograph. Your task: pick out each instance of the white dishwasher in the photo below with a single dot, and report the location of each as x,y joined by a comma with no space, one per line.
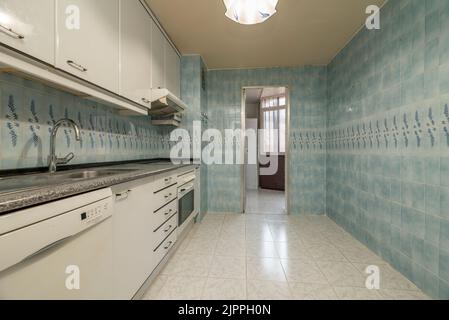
60,250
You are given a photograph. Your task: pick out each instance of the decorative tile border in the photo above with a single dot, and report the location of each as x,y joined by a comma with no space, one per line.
28,112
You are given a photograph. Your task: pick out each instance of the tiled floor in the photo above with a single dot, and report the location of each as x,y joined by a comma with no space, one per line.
264,201
272,257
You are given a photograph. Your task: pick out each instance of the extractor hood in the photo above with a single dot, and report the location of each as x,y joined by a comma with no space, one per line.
165,103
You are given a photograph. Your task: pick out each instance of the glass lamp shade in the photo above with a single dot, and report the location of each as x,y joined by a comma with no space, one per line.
250,11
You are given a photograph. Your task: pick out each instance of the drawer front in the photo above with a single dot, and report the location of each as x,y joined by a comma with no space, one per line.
164,231
165,196
164,182
186,177
162,215
165,247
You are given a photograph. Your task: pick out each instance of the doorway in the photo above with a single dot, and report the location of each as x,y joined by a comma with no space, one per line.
265,110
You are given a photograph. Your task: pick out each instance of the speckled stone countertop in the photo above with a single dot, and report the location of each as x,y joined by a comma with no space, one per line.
51,187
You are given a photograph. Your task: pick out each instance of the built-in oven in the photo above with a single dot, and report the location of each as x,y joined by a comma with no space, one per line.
186,199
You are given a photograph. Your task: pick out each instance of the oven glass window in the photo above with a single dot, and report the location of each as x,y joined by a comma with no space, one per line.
186,206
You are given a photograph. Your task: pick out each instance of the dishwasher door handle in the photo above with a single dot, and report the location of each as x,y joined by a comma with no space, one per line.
46,248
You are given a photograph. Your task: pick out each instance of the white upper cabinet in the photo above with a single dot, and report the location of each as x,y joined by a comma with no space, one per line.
114,44
157,58
29,26
87,43
166,65
135,52
172,70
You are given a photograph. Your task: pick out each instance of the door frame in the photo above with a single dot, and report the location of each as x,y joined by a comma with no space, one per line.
287,145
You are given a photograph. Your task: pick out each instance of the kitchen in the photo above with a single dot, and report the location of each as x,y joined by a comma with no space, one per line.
124,150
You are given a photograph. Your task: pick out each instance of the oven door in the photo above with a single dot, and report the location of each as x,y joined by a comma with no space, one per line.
186,202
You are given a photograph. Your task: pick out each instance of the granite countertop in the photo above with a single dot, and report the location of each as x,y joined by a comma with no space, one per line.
51,187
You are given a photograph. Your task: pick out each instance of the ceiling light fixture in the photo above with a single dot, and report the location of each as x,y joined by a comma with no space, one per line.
250,11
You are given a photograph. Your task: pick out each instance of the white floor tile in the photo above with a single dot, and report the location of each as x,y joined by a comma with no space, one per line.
231,247
268,290
275,256
228,267
265,269
351,293
312,291
292,250
342,274
188,265
261,249
182,288
303,271
224,289
265,202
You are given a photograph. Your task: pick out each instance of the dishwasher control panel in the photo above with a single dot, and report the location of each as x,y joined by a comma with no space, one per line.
96,212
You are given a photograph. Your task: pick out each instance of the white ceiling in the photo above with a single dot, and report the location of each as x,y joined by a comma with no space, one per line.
253,95
270,92
303,32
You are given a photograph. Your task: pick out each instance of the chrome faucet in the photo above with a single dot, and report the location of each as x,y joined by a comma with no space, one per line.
53,160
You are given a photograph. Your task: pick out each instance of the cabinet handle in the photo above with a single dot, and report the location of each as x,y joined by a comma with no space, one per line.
10,32
75,65
168,212
168,229
145,100
168,196
168,179
168,245
122,196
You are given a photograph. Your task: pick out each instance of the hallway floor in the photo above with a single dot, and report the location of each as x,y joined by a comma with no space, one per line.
268,257
264,201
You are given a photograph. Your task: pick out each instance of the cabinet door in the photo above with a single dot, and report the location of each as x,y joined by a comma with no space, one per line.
157,58
88,40
133,251
135,52
172,70
29,26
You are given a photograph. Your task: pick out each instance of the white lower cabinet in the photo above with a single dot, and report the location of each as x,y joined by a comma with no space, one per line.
164,248
164,231
145,221
133,260
163,214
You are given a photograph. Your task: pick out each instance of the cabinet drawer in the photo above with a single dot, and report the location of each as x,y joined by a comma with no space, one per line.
166,229
165,247
165,196
163,214
165,182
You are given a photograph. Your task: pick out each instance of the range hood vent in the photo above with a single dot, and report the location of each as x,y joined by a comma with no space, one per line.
165,103
173,120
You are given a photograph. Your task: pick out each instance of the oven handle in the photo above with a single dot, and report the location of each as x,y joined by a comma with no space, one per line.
185,189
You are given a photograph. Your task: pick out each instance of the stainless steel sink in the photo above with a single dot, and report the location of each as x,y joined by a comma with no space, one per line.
91,174
35,181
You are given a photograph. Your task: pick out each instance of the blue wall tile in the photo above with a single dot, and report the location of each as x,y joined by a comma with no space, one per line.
401,138
307,165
